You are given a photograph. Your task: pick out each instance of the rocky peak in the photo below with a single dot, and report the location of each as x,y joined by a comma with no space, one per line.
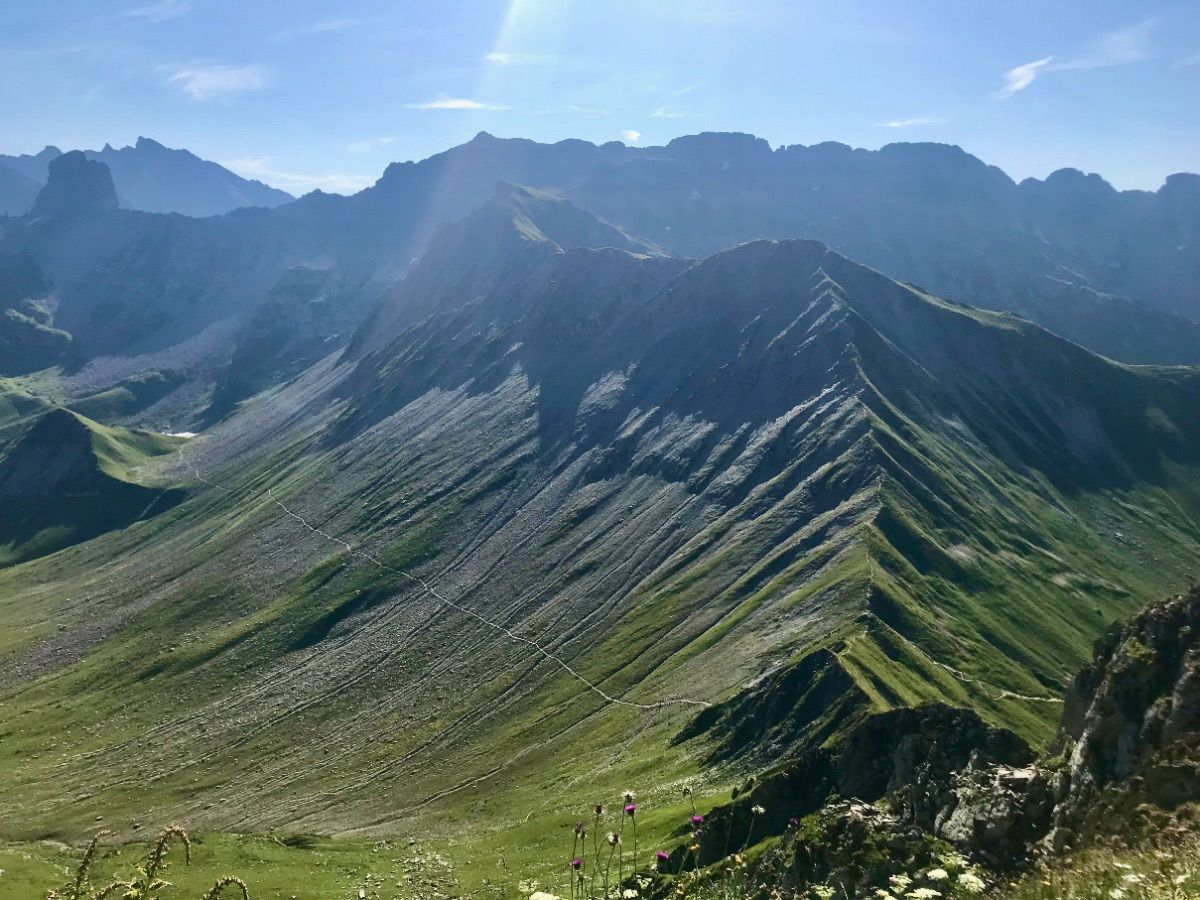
77,186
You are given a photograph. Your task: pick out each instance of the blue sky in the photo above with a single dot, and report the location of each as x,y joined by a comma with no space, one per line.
318,94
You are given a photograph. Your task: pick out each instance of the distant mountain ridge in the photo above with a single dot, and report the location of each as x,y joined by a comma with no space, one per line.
152,178
124,283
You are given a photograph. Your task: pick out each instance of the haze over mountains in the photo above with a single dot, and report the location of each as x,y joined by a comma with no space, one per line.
671,414
148,176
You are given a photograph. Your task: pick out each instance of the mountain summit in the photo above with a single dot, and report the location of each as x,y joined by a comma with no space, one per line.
77,186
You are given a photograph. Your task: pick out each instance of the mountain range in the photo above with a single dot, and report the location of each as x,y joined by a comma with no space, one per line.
148,177
367,514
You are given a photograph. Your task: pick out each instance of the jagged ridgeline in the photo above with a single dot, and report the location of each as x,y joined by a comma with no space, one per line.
773,480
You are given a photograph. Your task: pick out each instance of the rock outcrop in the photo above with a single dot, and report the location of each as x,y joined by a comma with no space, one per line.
77,186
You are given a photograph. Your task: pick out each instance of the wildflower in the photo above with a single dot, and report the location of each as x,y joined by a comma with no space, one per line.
629,894
793,822
970,883
937,874
900,882
924,893
697,820
757,810
629,796
687,790
694,847
576,863
662,856
599,810
580,828
822,891
883,895
630,809
613,838
1116,893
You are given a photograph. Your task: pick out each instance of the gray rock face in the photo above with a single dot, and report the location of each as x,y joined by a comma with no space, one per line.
1130,735
1132,717
996,811
77,186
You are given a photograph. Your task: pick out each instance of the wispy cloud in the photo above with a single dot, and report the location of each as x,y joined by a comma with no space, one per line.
522,59
631,135
664,113
325,26
206,82
1116,48
260,167
453,103
160,11
686,89
1020,77
370,144
912,123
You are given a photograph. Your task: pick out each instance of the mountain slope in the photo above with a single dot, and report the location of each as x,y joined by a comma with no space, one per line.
68,479
683,482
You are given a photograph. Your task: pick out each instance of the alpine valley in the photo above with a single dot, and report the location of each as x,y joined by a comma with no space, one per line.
439,512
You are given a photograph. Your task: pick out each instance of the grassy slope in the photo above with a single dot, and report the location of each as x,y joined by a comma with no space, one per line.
313,693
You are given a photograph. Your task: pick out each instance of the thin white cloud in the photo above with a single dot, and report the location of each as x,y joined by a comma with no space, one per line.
1020,77
325,26
664,113
260,167
160,11
912,123
686,89
453,103
522,59
203,83
1116,48
631,135
370,144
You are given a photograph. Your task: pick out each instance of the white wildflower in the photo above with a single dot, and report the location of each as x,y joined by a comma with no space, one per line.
924,893
970,883
937,874
822,891
900,882
629,894
757,810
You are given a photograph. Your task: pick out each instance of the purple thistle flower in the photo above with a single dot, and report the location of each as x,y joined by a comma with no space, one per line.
599,809
630,809
580,828
794,822
663,856
697,820
576,863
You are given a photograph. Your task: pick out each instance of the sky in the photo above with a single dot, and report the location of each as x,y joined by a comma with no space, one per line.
310,94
